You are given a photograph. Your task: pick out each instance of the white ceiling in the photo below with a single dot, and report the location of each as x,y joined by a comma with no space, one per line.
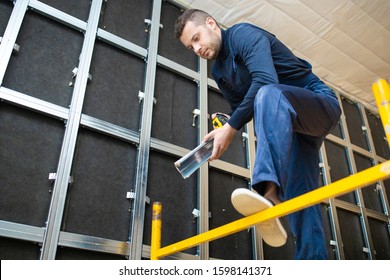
346,41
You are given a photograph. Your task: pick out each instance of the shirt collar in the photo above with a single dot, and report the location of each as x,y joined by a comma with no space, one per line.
224,51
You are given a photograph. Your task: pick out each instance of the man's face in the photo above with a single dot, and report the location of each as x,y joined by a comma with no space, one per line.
204,40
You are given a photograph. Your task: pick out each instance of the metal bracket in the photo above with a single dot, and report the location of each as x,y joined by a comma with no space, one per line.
16,46
148,23
322,165
74,71
53,177
196,213
131,195
245,137
195,114
333,243
141,96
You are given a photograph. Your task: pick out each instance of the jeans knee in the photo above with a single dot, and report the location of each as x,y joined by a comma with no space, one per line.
267,91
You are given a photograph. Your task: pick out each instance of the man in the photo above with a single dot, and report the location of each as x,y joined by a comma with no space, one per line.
293,111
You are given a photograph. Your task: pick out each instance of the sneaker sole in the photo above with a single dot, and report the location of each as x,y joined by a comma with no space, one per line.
248,203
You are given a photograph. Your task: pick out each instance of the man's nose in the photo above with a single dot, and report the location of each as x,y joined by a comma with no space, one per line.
197,48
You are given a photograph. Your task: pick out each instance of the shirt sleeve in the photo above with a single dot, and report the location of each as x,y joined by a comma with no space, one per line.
253,47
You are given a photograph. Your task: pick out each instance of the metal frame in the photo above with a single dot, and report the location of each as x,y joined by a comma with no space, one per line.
376,160
51,236
203,175
258,252
49,247
144,142
334,221
358,194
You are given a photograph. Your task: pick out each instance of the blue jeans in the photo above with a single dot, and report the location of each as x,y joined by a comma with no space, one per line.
291,124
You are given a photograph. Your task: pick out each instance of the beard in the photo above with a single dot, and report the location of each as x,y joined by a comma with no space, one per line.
215,45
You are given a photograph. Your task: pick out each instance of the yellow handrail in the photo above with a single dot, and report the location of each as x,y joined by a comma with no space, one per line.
381,91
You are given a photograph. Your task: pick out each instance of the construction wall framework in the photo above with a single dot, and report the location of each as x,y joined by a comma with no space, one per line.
98,100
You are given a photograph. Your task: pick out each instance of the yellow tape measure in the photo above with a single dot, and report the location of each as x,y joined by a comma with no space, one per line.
219,120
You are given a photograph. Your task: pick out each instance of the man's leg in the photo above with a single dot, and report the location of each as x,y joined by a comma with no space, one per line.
280,111
273,114
307,224
274,117
271,192
288,159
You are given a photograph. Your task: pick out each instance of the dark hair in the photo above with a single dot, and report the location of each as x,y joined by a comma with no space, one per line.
197,16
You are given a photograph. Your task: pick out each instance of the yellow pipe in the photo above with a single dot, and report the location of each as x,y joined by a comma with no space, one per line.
381,91
156,230
348,184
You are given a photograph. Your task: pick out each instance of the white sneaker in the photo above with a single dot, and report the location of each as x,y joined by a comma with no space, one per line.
247,203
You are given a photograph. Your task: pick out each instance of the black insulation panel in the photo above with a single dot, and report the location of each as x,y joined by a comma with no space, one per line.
103,173
168,45
370,193
178,197
381,239
112,94
77,8
355,124
48,53
236,153
13,249
30,145
172,121
5,13
235,246
339,167
378,135
126,19
104,167
352,235
338,131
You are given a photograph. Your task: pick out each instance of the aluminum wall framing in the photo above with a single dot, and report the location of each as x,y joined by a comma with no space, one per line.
164,67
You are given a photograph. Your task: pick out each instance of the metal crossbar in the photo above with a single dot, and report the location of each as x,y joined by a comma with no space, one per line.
366,177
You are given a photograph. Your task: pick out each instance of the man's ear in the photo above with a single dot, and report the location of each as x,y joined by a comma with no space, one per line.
210,22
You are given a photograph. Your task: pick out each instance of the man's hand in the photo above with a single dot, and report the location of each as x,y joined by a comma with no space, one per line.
222,138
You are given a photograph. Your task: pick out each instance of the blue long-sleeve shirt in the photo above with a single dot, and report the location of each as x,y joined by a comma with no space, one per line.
251,57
